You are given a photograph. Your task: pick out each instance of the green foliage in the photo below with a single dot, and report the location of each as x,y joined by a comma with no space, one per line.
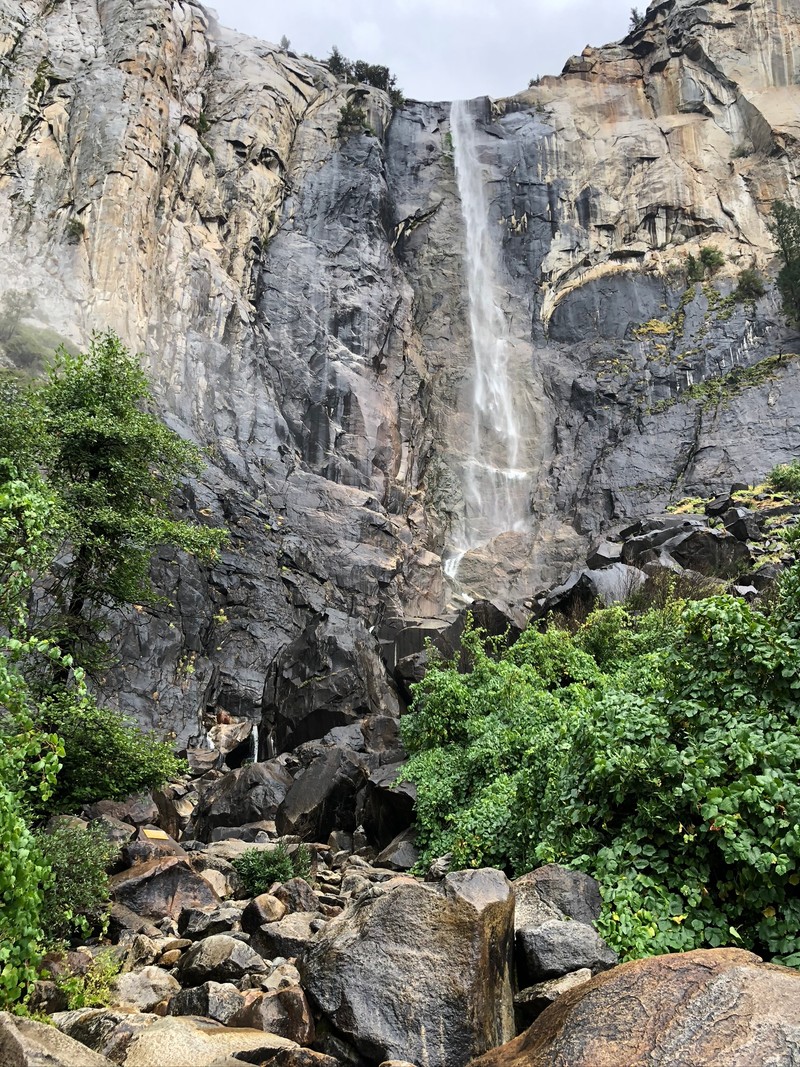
74,230
259,869
707,263
352,118
93,989
636,20
359,72
750,287
113,468
785,228
105,754
76,901
785,478
16,305
657,752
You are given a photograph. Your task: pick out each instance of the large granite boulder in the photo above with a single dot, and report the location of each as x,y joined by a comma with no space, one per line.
247,794
162,887
322,796
179,1041
418,970
219,958
706,1008
26,1043
107,1031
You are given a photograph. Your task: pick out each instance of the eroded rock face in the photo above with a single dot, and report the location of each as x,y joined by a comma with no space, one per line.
668,1010
419,970
299,299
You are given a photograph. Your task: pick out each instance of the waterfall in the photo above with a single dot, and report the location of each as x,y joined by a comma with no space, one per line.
493,483
254,743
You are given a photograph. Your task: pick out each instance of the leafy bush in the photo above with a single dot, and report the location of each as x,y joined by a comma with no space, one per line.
785,228
659,753
750,286
259,869
708,262
351,118
93,989
105,754
76,901
785,478
711,258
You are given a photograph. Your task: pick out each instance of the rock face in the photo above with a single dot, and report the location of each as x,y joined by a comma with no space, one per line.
419,971
702,1008
300,301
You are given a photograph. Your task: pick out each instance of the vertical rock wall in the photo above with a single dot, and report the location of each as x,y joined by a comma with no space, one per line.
298,294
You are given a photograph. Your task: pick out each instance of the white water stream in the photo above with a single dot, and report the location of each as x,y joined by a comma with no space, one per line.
493,482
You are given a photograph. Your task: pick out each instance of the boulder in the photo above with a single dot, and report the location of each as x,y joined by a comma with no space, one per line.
706,1008
419,970
579,594
603,554
212,1000
197,923
264,908
297,895
281,1011
303,1057
137,810
289,936
144,989
529,1003
248,794
343,660
161,887
557,947
401,853
107,1031
219,958
742,524
564,893
388,805
322,796
178,1041
25,1043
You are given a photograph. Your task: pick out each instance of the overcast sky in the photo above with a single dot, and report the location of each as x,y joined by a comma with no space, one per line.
439,49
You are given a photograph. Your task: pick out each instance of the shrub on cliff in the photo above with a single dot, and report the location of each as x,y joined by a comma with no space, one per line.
75,901
785,228
659,754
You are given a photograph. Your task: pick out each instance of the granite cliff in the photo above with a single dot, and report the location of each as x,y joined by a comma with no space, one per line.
299,296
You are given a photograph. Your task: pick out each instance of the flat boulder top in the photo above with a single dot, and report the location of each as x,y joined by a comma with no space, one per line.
708,1008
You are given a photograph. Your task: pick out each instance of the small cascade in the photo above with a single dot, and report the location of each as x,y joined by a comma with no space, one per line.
254,743
494,483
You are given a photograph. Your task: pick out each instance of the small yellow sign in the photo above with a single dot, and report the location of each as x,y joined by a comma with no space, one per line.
156,835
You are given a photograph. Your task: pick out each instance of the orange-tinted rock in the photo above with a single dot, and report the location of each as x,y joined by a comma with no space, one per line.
709,1008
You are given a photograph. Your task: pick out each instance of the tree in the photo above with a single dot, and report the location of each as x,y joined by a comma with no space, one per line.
286,44
16,305
636,20
113,468
785,228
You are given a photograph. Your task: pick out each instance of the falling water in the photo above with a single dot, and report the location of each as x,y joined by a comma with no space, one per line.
254,743
494,484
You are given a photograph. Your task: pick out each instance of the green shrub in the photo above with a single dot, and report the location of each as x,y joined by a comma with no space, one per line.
708,262
785,228
711,259
76,901
785,478
659,753
106,756
352,118
93,989
259,869
750,286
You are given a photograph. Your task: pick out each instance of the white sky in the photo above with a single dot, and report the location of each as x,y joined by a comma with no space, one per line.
439,49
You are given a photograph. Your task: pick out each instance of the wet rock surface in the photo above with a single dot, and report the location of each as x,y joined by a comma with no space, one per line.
299,299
